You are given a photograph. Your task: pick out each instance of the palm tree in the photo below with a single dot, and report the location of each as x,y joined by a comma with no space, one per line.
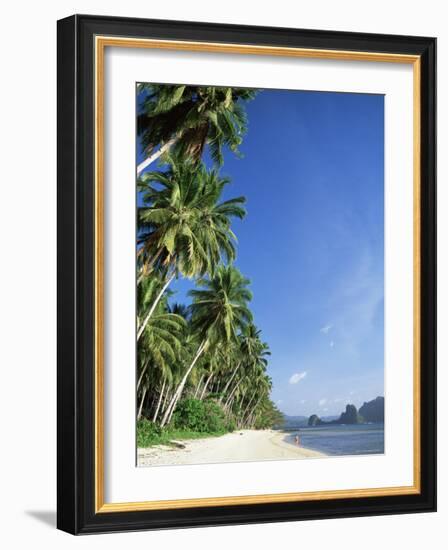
252,354
262,385
219,312
186,118
159,349
213,363
160,345
234,361
185,230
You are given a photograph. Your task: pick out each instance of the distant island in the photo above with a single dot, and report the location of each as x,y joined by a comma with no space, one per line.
370,411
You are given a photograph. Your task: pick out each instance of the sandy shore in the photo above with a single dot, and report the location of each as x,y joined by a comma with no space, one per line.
239,446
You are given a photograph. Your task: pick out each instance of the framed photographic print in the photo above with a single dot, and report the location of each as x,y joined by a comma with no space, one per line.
246,274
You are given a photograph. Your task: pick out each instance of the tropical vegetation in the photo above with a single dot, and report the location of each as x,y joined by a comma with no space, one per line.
202,366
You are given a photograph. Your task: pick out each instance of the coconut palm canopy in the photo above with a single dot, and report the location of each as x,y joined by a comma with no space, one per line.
183,224
191,117
234,255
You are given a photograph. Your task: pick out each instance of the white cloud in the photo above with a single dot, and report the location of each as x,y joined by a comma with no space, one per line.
322,401
279,401
326,329
296,377
302,401
325,409
332,344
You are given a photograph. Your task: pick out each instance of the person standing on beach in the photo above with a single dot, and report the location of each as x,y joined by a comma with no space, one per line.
297,440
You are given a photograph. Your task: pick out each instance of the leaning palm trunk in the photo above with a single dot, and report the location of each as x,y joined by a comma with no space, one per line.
155,155
180,388
228,411
153,307
156,413
226,387
167,395
198,387
239,401
251,413
204,389
142,373
241,398
173,408
141,404
247,407
254,416
232,393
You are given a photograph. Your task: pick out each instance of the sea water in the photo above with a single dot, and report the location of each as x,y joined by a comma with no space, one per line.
340,439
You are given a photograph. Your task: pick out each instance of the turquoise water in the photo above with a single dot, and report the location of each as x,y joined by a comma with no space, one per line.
340,440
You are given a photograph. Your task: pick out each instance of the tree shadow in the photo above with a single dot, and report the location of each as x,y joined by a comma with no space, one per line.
48,517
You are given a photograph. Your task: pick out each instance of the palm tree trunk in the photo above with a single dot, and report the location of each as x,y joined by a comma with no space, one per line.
243,395
170,409
167,394
255,415
153,307
251,413
166,399
240,401
233,392
250,421
141,404
141,375
156,414
198,386
226,387
173,408
155,155
248,405
204,389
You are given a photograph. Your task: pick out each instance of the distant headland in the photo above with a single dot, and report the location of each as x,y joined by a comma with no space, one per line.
370,411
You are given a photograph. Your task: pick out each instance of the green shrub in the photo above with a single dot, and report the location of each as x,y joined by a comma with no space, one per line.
216,417
148,433
231,425
200,416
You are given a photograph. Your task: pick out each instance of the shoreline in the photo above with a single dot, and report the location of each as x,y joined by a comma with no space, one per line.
238,446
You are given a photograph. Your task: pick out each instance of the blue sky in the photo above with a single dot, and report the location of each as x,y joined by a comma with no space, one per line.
312,243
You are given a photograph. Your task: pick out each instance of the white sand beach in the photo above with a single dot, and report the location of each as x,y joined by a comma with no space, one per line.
239,446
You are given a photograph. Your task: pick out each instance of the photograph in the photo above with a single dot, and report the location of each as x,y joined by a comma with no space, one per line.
259,274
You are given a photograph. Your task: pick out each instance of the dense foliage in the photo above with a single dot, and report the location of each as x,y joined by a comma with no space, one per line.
202,366
201,416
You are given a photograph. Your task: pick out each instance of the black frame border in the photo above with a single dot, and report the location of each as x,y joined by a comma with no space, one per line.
76,262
